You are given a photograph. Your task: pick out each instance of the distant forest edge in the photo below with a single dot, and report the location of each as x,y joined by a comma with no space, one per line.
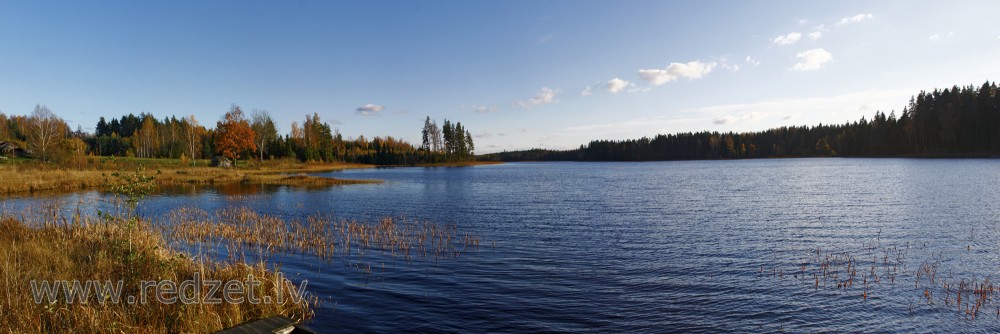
44,136
953,122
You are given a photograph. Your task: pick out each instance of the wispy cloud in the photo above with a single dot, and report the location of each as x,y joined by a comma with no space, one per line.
730,119
545,96
627,125
544,39
818,32
690,70
854,19
485,109
586,92
751,61
369,109
848,105
811,60
787,39
938,37
755,115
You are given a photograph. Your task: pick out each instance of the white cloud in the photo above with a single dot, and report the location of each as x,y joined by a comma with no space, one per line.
938,37
485,109
815,35
691,70
812,59
751,61
788,39
545,96
617,85
803,21
854,19
369,109
586,92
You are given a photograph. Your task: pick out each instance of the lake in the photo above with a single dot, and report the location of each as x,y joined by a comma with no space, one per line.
693,246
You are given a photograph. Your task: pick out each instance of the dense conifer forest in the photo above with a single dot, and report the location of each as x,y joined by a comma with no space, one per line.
950,122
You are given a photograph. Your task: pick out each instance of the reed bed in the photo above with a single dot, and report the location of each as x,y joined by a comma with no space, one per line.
46,244
325,238
879,268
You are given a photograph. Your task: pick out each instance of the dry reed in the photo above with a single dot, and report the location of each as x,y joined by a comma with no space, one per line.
882,266
45,244
325,238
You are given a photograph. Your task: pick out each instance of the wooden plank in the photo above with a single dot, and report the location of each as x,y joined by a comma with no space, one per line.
273,325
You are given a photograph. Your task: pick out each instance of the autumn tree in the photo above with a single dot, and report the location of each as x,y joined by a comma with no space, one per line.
146,139
263,127
193,134
233,134
45,131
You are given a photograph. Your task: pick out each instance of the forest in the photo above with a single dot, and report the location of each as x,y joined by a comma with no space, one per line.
950,122
44,136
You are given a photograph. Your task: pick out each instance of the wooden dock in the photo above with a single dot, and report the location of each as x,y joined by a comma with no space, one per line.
273,325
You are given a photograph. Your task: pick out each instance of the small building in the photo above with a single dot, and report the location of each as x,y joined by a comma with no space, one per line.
8,149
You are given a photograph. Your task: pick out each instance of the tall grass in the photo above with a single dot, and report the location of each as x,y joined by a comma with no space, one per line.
43,245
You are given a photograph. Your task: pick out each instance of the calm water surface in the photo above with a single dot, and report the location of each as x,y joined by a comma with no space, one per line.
647,247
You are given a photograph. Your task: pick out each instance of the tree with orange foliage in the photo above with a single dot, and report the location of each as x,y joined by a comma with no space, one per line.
233,135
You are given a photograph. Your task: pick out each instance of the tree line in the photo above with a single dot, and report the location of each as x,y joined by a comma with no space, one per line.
45,136
956,121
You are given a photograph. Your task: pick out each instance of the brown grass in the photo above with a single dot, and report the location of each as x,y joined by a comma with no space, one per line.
90,249
318,236
39,177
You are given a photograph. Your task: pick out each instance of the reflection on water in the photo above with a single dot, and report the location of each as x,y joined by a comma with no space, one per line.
229,189
666,246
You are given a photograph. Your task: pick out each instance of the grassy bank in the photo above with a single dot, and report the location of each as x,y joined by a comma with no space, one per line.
32,248
20,176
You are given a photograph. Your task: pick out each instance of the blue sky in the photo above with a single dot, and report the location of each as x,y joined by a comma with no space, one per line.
517,74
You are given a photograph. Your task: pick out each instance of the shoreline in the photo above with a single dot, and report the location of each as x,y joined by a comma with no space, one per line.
34,177
905,156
